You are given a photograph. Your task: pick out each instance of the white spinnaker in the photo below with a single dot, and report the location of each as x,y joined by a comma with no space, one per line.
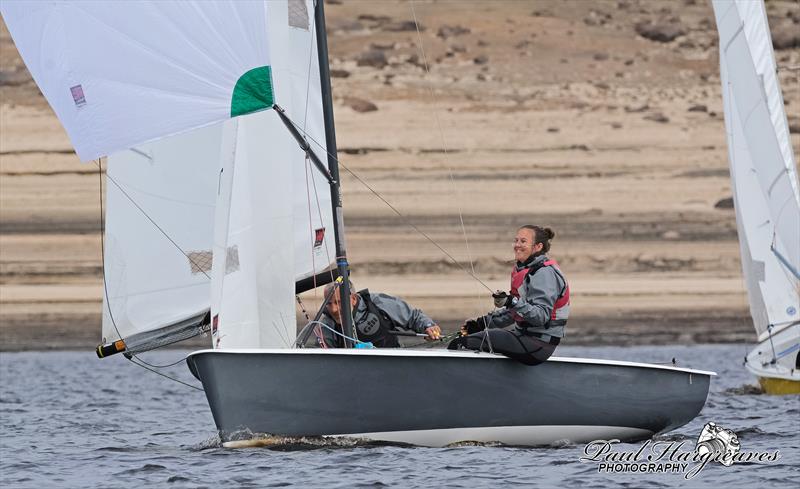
754,93
766,216
121,73
152,282
311,187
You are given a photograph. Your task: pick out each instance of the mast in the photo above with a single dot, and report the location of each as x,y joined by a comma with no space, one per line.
333,168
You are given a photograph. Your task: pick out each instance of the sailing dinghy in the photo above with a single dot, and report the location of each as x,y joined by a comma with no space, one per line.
244,86
765,191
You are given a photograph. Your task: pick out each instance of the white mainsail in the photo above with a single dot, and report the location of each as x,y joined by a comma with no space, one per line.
130,74
763,169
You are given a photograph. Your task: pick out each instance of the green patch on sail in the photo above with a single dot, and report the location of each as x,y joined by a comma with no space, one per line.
253,92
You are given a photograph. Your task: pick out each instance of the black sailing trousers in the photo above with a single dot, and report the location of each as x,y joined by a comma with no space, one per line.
513,344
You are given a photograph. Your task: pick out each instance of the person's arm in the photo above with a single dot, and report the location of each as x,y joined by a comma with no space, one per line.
541,293
499,318
402,314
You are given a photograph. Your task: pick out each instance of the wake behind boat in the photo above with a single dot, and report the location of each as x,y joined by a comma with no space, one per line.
439,397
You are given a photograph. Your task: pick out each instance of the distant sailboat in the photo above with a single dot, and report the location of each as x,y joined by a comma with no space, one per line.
765,191
137,80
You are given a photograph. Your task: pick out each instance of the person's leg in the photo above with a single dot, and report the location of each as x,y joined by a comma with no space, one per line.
525,349
538,350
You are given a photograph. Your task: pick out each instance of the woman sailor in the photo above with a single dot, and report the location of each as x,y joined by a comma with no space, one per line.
537,304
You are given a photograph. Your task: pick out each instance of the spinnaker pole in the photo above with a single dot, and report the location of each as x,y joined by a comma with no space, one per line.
333,168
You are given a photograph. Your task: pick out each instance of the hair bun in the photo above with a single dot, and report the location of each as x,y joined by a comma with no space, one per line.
549,233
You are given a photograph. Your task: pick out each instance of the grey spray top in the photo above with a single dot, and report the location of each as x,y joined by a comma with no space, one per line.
537,297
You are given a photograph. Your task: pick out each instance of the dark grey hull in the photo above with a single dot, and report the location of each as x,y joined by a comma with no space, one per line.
440,397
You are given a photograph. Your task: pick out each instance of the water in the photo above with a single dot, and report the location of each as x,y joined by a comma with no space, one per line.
71,420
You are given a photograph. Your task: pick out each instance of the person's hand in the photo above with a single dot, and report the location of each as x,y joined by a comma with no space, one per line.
503,299
473,325
434,333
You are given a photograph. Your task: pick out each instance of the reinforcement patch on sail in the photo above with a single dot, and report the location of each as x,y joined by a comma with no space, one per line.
232,259
298,14
200,261
253,92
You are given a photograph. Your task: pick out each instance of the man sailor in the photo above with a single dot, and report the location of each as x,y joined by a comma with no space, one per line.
375,316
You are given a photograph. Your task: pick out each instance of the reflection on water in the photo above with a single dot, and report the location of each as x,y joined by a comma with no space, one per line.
71,420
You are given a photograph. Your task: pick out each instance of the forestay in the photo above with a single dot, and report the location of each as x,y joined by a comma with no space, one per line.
762,163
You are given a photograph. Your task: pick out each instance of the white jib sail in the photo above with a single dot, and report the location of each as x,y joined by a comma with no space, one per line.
159,229
273,222
253,276
121,73
762,164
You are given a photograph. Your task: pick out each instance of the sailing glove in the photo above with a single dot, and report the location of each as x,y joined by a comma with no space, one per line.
475,325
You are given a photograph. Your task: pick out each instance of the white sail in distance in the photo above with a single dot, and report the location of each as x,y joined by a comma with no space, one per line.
763,168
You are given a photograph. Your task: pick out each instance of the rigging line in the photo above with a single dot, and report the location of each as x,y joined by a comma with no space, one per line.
394,209
310,225
322,223
306,161
312,29
435,105
313,179
354,340
136,362
412,225
160,366
154,223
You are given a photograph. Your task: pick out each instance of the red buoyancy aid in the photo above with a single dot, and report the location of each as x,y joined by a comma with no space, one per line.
518,276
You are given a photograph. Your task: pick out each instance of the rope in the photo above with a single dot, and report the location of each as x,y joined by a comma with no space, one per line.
431,344
354,340
161,374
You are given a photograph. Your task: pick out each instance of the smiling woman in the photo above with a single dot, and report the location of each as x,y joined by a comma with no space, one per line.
537,303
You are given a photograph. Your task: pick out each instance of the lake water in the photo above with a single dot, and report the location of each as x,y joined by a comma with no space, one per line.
72,420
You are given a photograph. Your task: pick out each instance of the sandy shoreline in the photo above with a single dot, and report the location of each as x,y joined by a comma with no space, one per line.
564,117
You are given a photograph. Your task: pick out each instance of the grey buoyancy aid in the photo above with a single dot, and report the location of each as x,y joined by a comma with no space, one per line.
375,325
560,312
